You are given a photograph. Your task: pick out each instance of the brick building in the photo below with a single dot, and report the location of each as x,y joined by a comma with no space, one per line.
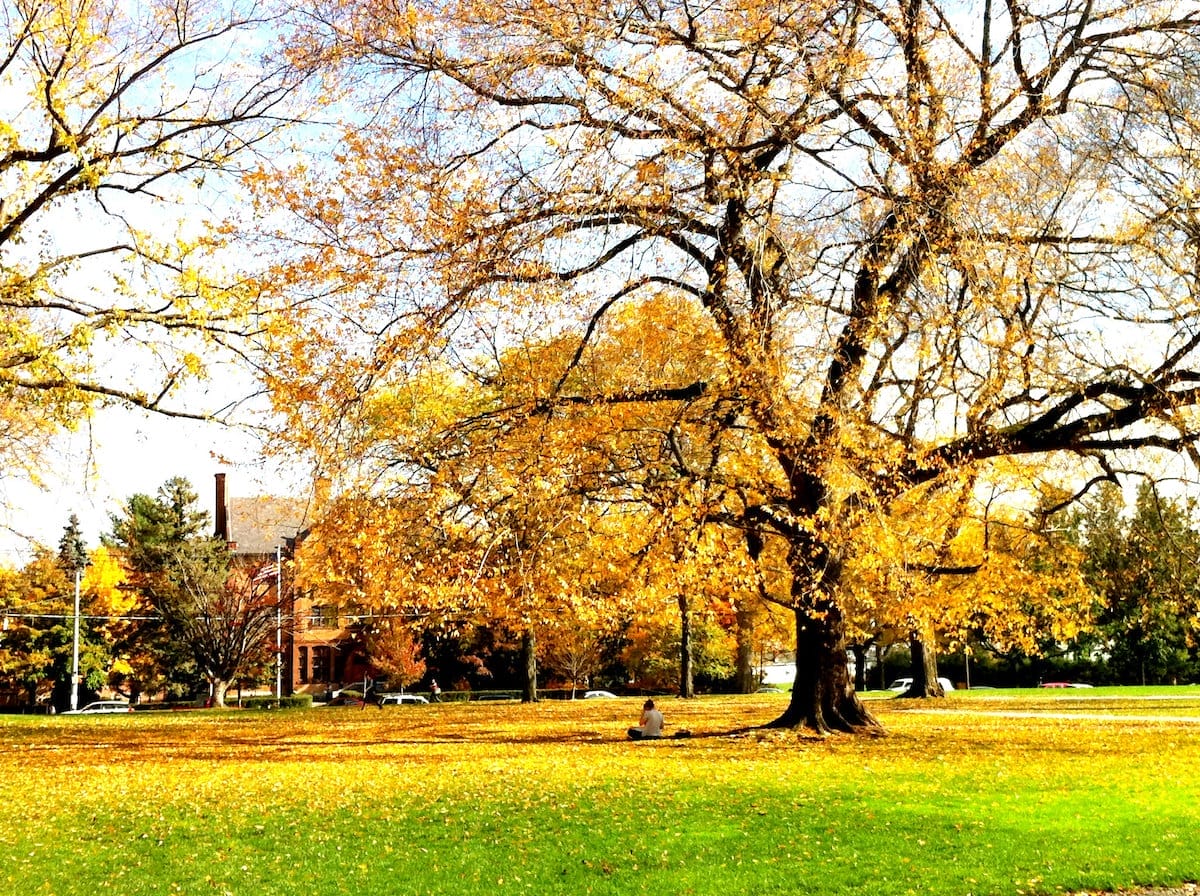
319,644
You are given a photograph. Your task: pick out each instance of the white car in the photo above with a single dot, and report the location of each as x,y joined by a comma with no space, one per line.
599,695
900,685
100,706
397,699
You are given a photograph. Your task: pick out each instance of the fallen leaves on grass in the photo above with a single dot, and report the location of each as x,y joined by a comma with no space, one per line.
279,799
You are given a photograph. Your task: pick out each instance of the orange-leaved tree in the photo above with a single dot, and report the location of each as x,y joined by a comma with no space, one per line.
950,568
457,505
905,224
393,649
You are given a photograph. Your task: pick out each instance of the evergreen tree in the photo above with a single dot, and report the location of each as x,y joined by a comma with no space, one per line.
72,554
150,530
1144,564
159,537
210,622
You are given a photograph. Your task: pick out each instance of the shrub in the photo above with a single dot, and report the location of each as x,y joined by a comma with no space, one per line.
296,701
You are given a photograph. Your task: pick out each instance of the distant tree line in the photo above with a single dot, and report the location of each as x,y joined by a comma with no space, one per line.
1139,563
164,613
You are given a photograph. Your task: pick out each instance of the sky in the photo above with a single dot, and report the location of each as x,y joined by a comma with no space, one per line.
123,452
131,452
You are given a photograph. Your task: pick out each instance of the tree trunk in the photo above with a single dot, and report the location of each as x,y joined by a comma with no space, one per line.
823,697
529,666
924,669
220,688
744,679
687,687
881,653
860,666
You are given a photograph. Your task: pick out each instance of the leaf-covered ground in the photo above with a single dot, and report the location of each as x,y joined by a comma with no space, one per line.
505,798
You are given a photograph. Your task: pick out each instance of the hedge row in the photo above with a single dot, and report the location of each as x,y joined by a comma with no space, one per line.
296,701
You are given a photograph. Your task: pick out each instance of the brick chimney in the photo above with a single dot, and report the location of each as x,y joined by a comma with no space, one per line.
322,489
221,511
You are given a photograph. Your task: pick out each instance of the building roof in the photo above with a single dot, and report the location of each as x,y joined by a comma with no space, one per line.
259,524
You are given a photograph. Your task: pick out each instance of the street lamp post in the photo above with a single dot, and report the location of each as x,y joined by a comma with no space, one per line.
73,556
75,646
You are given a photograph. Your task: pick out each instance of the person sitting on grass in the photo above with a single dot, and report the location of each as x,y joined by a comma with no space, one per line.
650,725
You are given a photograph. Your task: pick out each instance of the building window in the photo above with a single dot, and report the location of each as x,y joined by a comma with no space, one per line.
303,664
323,616
321,665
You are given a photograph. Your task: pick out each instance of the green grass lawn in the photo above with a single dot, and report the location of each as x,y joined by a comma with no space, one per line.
1033,793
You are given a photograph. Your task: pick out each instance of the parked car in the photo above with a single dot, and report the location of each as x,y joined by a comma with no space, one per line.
599,695
100,706
355,689
1063,684
900,685
399,699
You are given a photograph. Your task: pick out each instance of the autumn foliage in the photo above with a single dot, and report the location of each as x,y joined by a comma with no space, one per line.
1039,794
599,313
786,270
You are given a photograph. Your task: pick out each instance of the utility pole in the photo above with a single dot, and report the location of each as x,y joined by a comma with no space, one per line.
278,623
75,646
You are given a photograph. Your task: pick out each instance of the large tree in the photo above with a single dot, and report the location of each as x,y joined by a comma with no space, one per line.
123,124
925,236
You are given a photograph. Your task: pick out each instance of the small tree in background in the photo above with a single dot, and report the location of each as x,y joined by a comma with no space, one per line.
28,645
574,643
72,556
392,649
146,533
72,553
223,618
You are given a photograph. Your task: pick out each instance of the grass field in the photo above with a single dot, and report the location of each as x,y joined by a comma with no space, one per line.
990,793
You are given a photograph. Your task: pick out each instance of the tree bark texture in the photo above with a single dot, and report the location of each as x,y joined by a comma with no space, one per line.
687,686
860,666
924,669
220,689
529,666
823,697
744,678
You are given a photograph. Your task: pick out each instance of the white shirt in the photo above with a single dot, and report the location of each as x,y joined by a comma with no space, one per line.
652,722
